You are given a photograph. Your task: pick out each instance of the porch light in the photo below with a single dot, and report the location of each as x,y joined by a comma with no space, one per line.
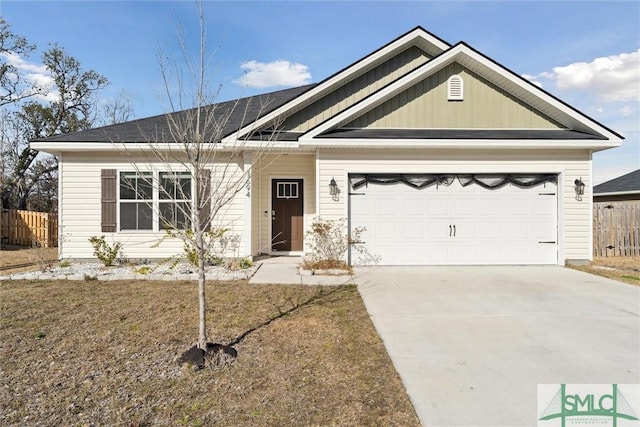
579,187
333,187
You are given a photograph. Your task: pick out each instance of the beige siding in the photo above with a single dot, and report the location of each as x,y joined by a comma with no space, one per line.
425,105
574,220
355,90
80,205
279,166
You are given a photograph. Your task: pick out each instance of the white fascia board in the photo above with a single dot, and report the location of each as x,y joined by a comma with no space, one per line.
336,79
59,147
446,58
617,193
262,145
458,143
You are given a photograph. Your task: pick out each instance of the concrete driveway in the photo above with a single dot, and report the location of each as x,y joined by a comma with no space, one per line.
471,344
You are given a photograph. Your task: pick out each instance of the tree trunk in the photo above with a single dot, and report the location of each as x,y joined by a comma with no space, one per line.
202,336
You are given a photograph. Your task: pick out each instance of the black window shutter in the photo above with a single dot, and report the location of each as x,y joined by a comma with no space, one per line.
109,203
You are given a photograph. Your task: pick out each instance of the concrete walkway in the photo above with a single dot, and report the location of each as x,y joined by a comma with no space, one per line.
471,344
285,270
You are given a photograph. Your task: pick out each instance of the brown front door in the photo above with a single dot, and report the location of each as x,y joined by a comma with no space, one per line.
286,215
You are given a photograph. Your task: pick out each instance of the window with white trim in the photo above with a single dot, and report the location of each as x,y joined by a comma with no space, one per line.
175,200
136,201
455,88
162,198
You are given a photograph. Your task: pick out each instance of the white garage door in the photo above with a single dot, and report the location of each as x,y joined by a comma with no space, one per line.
455,225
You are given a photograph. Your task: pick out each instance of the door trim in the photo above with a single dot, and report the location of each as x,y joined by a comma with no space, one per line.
270,179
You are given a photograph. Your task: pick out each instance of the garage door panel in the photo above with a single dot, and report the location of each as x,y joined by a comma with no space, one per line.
408,226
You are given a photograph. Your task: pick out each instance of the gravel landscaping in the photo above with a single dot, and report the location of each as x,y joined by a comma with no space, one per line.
149,271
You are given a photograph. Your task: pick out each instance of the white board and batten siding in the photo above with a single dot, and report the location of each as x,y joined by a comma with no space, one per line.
573,216
80,195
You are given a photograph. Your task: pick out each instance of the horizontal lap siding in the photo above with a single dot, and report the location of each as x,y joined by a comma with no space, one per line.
279,166
81,212
574,216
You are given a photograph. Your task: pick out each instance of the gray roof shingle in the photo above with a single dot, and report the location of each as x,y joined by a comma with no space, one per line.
241,113
624,183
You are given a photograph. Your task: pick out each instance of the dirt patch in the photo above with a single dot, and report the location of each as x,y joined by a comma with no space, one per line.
106,353
16,255
624,269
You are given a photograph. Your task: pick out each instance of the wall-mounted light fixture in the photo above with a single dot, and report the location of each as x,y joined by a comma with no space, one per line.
333,189
579,188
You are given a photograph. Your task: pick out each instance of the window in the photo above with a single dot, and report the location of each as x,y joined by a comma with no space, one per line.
455,88
147,199
287,190
175,200
136,201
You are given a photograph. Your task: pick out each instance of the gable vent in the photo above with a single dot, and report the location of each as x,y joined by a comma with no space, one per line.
455,88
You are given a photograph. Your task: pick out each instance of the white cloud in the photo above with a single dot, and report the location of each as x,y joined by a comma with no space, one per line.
612,78
275,73
35,75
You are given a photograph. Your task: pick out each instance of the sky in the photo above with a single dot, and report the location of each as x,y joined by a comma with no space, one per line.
587,53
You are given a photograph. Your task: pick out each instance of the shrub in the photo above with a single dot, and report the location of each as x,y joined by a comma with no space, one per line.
103,251
216,243
328,243
142,270
239,264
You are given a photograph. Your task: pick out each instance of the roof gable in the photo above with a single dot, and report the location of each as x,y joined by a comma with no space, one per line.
427,105
355,89
417,37
506,80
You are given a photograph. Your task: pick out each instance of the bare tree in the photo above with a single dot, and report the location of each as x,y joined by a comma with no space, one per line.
72,110
116,111
202,176
13,86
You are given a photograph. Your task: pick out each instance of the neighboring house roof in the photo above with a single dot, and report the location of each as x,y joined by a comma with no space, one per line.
625,184
243,111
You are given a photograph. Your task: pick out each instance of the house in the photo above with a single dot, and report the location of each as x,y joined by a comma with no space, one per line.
616,216
444,155
625,187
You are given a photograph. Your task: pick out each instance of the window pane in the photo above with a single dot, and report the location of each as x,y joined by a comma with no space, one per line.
294,190
167,186
128,216
127,186
166,215
185,185
183,216
145,216
145,187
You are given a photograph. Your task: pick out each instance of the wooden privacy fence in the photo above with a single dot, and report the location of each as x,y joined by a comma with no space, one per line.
616,228
26,228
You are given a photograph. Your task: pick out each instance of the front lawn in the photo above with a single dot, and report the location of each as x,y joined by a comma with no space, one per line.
104,353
